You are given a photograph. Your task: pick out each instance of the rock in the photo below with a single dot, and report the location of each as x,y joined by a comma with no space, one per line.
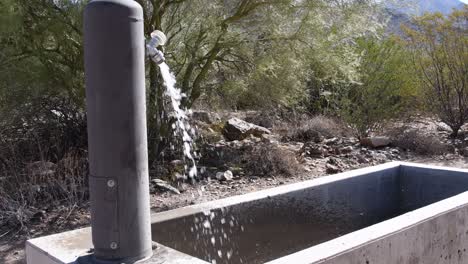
361,159
313,150
178,176
177,163
465,152
332,169
351,140
332,141
225,176
39,216
442,127
266,139
237,129
333,161
376,142
346,150
163,185
310,135
380,157
395,151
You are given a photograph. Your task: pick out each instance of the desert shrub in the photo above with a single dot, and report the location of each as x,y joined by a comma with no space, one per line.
310,129
267,118
40,185
417,142
269,160
438,44
384,87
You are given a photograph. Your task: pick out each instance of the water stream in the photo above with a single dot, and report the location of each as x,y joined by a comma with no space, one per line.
181,127
219,230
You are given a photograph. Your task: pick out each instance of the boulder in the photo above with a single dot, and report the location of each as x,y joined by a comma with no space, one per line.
237,129
225,176
376,142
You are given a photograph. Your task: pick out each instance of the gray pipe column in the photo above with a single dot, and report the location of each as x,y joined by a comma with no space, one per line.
114,48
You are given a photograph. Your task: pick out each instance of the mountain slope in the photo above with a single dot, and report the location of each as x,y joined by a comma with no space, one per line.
419,7
443,6
402,13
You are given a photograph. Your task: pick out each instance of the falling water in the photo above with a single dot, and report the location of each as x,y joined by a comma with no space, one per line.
219,230
181,126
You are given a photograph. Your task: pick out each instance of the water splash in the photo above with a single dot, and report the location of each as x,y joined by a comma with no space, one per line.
181,126
214,231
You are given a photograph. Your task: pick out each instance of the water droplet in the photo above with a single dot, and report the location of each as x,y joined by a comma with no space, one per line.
206,224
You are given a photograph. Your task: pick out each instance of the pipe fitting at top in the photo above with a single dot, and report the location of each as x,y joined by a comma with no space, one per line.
157,39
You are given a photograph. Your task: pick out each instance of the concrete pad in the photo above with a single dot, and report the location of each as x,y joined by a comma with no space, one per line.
74,247
64,248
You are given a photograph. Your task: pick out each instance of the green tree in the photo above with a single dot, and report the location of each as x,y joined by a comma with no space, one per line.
42,91
250,53
439,46
384,87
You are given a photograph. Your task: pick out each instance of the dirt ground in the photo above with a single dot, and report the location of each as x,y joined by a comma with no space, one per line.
12,241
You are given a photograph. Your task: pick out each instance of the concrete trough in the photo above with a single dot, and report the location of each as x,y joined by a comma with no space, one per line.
392,213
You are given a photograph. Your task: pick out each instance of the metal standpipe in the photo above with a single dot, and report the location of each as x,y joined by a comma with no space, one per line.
116,106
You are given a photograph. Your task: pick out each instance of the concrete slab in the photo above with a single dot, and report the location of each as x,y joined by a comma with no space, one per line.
74,247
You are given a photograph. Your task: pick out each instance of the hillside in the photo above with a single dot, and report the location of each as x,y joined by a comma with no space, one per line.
401,13
418,7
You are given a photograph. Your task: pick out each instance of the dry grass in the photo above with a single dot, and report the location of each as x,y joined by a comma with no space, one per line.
270,160
26,189
307,129
418,142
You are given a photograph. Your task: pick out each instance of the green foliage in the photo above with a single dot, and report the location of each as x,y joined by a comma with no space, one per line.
233,54
384,88
439,47
277,78
41,92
